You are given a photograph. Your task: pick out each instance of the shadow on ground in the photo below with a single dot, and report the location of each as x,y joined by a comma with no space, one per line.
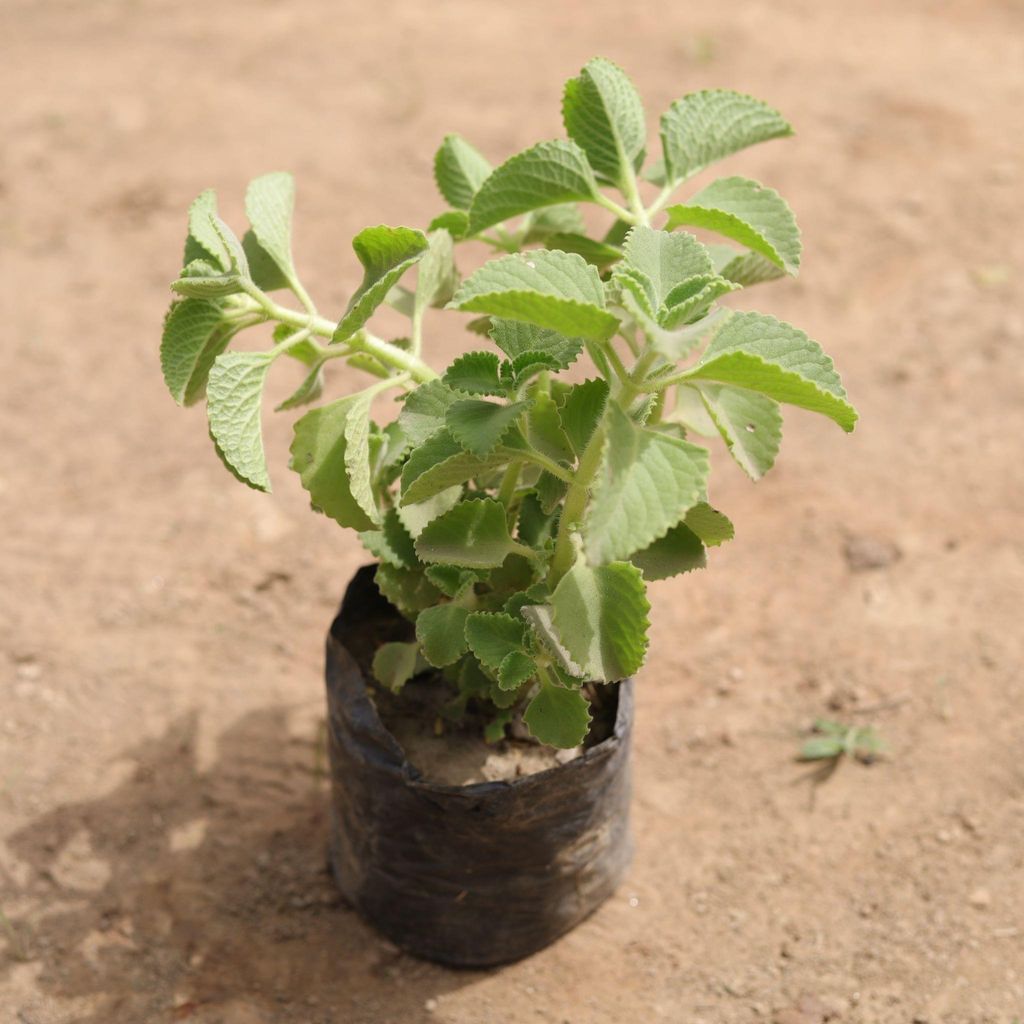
204,896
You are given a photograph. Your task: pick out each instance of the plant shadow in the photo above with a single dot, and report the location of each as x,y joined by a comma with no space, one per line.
204,896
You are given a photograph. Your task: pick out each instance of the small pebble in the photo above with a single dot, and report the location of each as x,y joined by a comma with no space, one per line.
430,1005
865,553
980,898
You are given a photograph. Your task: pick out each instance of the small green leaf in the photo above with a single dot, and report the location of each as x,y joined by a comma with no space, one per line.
760,353
713,527
395,664
647,482
455,222
386,254
415,518
437,277
473,534
459,170
691,300
558,717
438,463
551,491
545,174
189,329
541,620
494,731
603,113
706,126
544,429
392,543
309,390
540,225
203,243
679,551
479,425
598,254
547,288
269,204
600,613
408,590
750,424
234,397
441,631
451,580
357,452
743,268
515,670
581,410
475,373
821,748
535,525
320,457
264,272
492,636
518,340
664,260
424,410
748,213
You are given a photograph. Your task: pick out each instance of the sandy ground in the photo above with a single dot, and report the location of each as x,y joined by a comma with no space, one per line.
161,796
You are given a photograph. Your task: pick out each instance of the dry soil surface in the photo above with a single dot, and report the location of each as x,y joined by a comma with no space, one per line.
161,792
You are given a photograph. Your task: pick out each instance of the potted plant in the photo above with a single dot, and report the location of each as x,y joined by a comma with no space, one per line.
518,503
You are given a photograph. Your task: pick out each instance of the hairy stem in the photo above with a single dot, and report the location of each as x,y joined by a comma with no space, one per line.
574,507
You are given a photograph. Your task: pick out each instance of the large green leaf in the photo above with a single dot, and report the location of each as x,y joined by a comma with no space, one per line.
543,287
438,463
679,551
760,353
386,254
748,213
269,205
474,534
459,170
647,482
558,717
706,126
479,425
441,631
234,396
603,113
517,340
475,373
321,458
545,174
189,329
600,613
750,424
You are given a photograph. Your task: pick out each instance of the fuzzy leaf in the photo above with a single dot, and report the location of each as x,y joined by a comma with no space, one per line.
750,424
473,534
408,590
712,526
203,243
234,396
648,481
515,670
415,518
441,631
451,580
437,276
597,253
748,213
386,254
540,225
479,425
395,664
706,126
760,353
691,300
517,339
269,204
664,260
189,328
679,551
424,410
392,543
545,174
547,288
600,613
438,463
492,636
475,373
455,222
459,170
743,267
544,429
603,113
321,458
309,390
558,717
541,620
581,411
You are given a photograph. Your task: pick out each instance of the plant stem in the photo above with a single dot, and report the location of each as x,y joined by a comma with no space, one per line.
620,211
632,194
574,507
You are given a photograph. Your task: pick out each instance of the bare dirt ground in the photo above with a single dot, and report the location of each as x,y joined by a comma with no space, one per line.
161,798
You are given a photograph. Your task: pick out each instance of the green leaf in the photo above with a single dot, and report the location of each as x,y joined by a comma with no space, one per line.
392,543
309,390
473,534
691,300
515,670
743,268
712,526
199,280
664,260
424,410
395,664
540,225
597,253
439,463
600,613
232,247
459,170
545,174
203,243
603,113
748,213
493,636
535,525
647,482
455,222
551,491
518,340
479,425
234,396
541,620
547,288
408,590
706,126
437,276
544,429
441,631
451,580
264,272
750,424
269,205
188,329
386,254
475,373
760,353
679,551
558,717
357,452
821,748
320,456
415,518
581,410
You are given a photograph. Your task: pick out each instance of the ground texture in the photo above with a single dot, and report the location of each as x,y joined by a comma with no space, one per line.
161,797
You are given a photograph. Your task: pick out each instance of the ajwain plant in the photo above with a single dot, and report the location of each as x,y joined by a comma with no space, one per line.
518,513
